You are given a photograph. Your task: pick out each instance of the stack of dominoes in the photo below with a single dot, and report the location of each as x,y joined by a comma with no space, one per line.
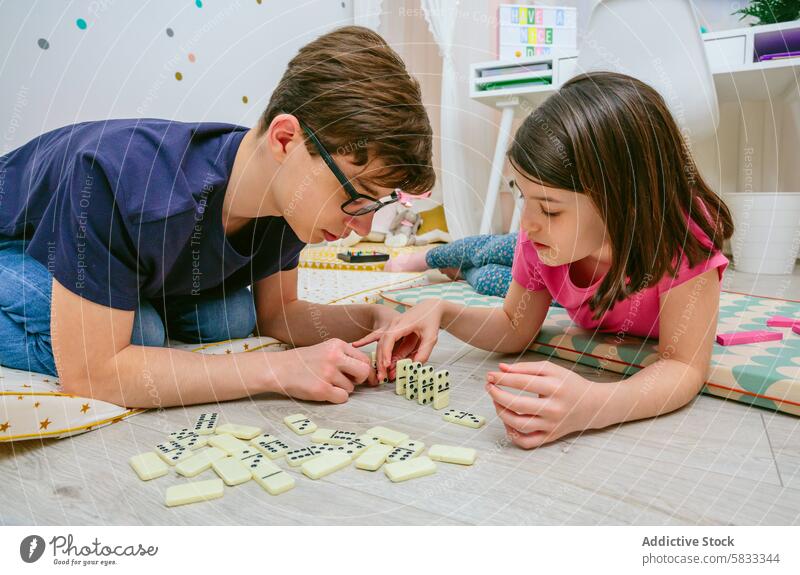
238,453
420,382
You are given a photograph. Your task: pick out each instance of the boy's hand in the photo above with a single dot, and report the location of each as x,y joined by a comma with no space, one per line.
567,402
411,334
328,371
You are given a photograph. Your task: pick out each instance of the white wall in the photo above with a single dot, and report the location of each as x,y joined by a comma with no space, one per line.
124,63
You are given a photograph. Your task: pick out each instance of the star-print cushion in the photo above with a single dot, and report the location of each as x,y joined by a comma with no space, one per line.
764,374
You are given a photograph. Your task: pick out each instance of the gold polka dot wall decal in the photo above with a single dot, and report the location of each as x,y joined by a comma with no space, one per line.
192,57
245,99
178,76
43,44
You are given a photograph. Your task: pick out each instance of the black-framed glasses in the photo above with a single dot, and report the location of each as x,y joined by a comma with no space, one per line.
358,204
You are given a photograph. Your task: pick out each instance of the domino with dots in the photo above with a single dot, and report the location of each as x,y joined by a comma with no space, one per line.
246,432
333,436
412,380
352,448
199,462
269,476
464,418
401,376
373,457
441,389
297,457
425,390
172,452
194,492
452,454
182,434
326,464
206,423
148,466
405,451
410,469
270,445
300,424
193,441
386,435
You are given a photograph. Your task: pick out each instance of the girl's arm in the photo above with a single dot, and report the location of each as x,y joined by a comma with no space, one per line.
509,329
687,326
567,402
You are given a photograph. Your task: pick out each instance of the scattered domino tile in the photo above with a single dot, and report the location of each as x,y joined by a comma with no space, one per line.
206,424
401,376
373,457
239,431
452,454
148,466
193,441
319,467
270,477
270,445
373,360
333,436
386,435
182,434
411,469
441,390
328,447
194,492
743,337
425,388
199,462
231,470
464,418
782,321
368,439
300,424
172,452
227,443
353,448
297,457
406,450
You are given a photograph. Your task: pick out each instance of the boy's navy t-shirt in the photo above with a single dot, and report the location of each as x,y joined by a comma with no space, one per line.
127,210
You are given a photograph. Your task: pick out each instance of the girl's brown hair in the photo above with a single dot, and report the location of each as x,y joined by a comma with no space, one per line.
612,137
356,94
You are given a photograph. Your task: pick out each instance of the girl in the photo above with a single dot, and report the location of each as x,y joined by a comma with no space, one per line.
620,229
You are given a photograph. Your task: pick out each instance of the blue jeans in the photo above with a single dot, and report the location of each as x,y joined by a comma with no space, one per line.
25,295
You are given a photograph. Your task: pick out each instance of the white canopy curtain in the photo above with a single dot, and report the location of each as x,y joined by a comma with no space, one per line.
461,220
367,13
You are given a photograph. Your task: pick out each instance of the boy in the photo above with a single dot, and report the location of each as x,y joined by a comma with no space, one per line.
116,235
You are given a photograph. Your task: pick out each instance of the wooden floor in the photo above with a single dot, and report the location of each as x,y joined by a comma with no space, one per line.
713,462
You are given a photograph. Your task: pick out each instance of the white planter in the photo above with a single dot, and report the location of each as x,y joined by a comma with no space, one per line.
766,237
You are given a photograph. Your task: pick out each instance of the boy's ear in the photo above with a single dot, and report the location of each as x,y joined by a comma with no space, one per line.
283,135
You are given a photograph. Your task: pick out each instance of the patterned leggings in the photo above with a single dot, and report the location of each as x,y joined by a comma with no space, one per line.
485,261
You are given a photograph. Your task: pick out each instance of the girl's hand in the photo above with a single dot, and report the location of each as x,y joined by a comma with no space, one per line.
567,402
411,334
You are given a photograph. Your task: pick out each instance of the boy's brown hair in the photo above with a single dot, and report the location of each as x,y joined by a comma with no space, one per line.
354,93
612,137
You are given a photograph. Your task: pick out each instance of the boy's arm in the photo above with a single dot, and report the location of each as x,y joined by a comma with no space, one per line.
280,314
94,358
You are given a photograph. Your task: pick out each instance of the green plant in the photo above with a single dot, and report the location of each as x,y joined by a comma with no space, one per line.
771,11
